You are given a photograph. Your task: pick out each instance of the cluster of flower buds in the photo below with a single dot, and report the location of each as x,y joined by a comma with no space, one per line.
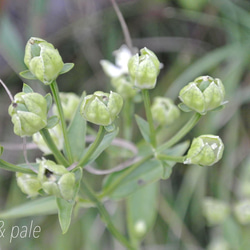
118,72
203,94
101,108
205,150
56,180
132,72
43,60
28,113
52,179
164,111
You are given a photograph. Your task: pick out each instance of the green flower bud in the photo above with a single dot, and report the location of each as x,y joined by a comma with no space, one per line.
43,60
144,69
215,211
140,228
203,94
101,108
124,87
205,150
242,211
164,111
29,113
243,185
57,136
56,180
69,102
29,184
218,244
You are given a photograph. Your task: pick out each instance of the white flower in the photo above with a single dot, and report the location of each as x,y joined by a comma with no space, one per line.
122,56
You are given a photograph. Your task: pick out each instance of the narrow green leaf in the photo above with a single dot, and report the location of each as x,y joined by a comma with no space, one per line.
15,168
149,172
52,122
27,75
11,42
33,165
48,98
108,138
1,150
142,210
66,68
27,89
65,209
144,127
39,206
179,150
77,133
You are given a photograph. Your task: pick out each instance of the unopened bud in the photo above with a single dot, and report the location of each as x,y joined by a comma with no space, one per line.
43,60
205,150
242,211
164,111
29,184
215,211
203,94
124,87
101,108
29,113
144,69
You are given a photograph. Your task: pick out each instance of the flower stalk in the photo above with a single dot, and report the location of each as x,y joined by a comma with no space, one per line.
147,105
55,93
51,145
93,147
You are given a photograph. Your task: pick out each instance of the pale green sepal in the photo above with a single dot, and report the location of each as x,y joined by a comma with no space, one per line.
52,122
27,75
66,68
27,89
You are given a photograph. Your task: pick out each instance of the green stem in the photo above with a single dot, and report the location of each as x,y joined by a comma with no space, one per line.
171,158
181,133
53,148
93,147
124,26
55,92
116,183
146,99
105,216
11,167
127,116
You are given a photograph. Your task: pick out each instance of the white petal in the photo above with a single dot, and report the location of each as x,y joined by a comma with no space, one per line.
122,56
110,69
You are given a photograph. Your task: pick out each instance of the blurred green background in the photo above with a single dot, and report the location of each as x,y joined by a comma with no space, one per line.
191,38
